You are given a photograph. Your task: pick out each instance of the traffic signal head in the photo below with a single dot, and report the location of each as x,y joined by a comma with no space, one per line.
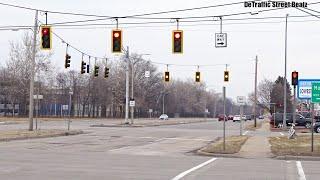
197,76
226,76
96,71
106,72
116,41
294,78
45,37
83,67
166,76
177,41
67,61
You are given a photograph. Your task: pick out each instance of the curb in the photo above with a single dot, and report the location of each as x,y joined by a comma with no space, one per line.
70,133
298,158
147,125
202,153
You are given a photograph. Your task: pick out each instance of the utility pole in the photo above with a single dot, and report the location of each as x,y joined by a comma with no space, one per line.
132,108
294,104
224,118
255,92
33,62
285,79
127,87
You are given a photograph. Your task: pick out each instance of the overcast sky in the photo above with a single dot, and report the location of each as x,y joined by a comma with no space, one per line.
246,39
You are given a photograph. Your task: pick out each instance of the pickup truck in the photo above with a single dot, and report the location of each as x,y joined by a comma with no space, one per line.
300,120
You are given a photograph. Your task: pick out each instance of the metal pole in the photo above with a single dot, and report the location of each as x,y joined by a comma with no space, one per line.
294,105
255,92
163,103
274,115
285,79
312,128
32,67
224,118
241,115
127,88
70,93
132,108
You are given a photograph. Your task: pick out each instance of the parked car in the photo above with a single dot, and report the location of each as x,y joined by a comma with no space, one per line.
164,117
221,117
230,117
261,117
248,117
238,118
317,127
300,120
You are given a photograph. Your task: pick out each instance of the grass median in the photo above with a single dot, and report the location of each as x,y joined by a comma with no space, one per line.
300,146
25,134
233,145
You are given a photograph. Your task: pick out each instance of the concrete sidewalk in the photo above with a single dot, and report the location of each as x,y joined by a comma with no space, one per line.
257,146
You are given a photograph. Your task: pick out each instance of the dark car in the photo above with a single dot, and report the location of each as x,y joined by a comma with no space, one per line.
277,120
317,127
230,117
221,117
248,117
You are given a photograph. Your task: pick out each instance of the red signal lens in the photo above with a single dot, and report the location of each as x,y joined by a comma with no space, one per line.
116,34
45,31
177,35
294,74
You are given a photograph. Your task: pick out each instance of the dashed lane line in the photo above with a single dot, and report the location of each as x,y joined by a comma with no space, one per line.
300,171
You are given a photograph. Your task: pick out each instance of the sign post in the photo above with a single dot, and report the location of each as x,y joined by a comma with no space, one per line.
241,100
315,98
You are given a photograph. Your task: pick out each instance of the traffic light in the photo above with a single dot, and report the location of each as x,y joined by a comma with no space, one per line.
177,41
45,37
88,68
106,72
116,41
83,67
197,76
226,76
96,71
67,61
294,78
166,76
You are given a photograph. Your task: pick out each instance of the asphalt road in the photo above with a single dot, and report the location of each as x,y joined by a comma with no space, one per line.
163,152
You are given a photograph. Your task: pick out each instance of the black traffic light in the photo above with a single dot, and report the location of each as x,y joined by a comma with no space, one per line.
45,37
116,41
294,78
88,68
226,76
96,71
177,41
106,72
67,61
83,67
166,76
197,76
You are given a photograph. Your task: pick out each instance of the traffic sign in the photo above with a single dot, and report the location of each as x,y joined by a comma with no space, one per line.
305,87
37,96
221,40
132,103
315,93
65,107
241,100
147,74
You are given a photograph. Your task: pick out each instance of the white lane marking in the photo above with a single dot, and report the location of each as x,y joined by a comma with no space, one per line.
300,171
245,132
281,134
181,175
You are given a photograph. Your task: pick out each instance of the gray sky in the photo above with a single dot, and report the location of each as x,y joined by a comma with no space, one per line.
246,39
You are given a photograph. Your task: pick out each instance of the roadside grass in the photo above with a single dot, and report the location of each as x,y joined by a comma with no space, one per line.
233,145
250,127
300,146
25,134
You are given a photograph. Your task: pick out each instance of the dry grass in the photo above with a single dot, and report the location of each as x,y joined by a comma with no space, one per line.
301,146
25,134
250,127
233,145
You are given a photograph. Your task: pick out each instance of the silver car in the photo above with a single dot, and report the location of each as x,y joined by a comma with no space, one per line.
164,117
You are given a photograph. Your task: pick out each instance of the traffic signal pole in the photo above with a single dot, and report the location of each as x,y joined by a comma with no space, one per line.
33,62
127,88
285,79
255,92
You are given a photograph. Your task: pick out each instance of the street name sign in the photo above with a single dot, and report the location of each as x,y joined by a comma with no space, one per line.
315,93
221,40
305,88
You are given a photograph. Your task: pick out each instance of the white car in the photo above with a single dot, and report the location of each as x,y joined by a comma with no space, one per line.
238,118
164,117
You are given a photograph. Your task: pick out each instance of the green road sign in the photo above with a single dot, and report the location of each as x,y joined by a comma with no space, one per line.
315,93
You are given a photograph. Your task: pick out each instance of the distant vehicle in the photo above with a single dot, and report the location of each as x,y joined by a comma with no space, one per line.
317,127
300,120
261,117
230,117
164,117
248,117
221,117
238,118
